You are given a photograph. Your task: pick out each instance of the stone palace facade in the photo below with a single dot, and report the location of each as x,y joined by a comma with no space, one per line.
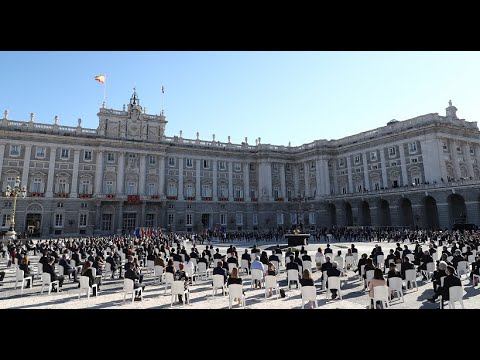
127,173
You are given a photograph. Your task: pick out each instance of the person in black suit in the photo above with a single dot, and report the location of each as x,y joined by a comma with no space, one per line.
333,272
133,275
232,260
217,256
390,256
328,250
67,268
246,256
87,271
406,251
292,265
438,274
2,276
393,272
426,258
448,282
220,270
361,261
49,269
273,257
406,265
306,257
457,258
169,268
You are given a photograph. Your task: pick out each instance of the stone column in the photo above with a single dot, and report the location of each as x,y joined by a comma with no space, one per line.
320,179
296,177
468,160
349,172
121,174
384,168
326,176
246,182
403,165
456,165
335,176
98,220
2,156
230,180
306,178
99,173
143,173
214,180
365,171
161,177
51,172
26,165
283,189
180,178
119,214
265,180
76,165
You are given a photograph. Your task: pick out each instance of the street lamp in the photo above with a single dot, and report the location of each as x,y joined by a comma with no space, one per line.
299,199
15,191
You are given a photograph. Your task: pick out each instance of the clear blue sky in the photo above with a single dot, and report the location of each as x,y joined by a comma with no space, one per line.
279,96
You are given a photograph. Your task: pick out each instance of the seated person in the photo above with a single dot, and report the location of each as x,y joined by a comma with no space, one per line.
333,272
292,265
377,280
49,269
131,274
271,269
181,275
67,268
27,273
234,278
448,282
87,271
393,272
307,280
220,270
438,274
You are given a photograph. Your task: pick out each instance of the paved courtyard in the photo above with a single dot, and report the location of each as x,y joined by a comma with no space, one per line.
111,295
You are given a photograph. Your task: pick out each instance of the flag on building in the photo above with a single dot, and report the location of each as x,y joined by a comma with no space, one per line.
101,78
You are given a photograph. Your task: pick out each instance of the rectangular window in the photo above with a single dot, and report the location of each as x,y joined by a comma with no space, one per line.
445,147
344,190
110,157
189,220
392,151
238,166
276,192
109,187
412,147
279,218
341,162
239,219
252,166
289,193
171,219
11,182
131,188
149,220
223,219
238,192
14,150
254,219
222,165
377,186
40,152
172,189
357,170
312,165
152,159
189,190
83,220
37,185
293,218
151,189
87,155
58,220
274,166
357,159
253,194
359,188
62,186
84,205
413,160
65,154
393,163
206,164
206,191
373,156
189,163
288,168
6,220
106,222
85,187
59,205
472,152
459,150
189,206
171,161
374,167
416,180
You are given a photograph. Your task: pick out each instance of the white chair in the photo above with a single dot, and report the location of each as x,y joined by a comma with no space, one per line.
380,293
85,285
46,280
151,266
449,258
430,269
477,278
158,273
309,293
235,291
19,278
245,265
178,288
60,270
107,270
307,264
190,271
368,276
292,275
128,287
39,269
194,262
219,283
168,280
395,284
355,258
203,270
411,276
435,256
256,274
231,266
410,257
349,261
277,265
271,283
334,283
183,257
461,268
176,265
381,262
324,280
455,294
471,258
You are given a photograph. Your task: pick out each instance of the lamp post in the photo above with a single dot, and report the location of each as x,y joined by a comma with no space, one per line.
15,191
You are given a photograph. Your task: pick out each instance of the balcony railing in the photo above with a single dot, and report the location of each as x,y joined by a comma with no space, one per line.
155,197
206,198
222,199
238,199
110,196
171,197
85,196
133,199
62,195
36,194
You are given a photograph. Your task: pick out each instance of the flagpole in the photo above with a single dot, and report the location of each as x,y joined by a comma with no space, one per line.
163,93
105,91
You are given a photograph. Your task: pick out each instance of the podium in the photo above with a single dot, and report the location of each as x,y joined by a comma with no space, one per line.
296,239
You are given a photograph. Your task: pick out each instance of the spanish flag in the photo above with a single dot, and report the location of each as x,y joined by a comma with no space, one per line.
101,78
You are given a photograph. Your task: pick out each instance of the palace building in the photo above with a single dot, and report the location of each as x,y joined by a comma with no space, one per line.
128,173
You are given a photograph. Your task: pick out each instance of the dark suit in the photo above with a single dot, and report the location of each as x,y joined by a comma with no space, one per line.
333,272
456,259
326,266
92,280
393,273
232,260
220,271
273,258
448,282
306,257
47,268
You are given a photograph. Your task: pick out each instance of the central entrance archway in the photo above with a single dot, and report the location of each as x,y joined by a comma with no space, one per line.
365,218
431,213
406,213
384,215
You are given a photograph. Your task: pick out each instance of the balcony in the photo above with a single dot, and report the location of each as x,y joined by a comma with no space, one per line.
133,199
154,197
279,199
238,199
85,196
222,199
62,195
110,196
172,197
206,198
36,194
190,198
